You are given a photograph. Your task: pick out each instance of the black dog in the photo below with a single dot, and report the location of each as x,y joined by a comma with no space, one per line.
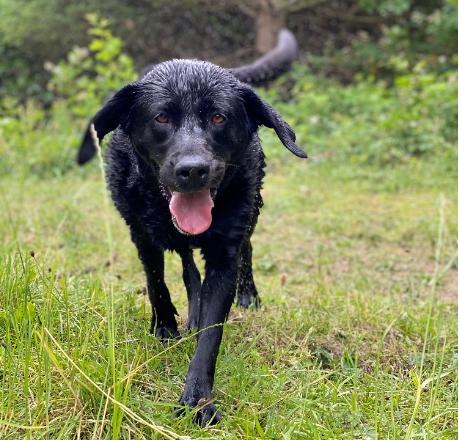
185,169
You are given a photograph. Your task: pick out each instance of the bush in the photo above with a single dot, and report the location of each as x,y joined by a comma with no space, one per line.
404,32
41,141
369,121
366,122
93,73
33,141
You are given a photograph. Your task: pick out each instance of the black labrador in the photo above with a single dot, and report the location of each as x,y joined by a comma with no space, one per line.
185,169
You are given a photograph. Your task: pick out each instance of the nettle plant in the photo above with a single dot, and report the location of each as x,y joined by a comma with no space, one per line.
91,74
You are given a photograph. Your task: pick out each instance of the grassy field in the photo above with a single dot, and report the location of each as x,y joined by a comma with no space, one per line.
356,337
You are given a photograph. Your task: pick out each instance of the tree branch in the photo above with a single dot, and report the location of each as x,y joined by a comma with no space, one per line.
304,5
252,13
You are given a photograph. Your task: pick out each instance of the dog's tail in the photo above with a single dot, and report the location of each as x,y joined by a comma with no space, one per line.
273,64
265,69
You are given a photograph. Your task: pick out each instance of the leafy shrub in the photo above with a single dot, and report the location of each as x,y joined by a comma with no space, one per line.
370,122
33,141
367,121
404,33
45,141
93,73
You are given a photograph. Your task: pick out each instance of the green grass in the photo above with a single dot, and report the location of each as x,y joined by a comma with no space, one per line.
356,338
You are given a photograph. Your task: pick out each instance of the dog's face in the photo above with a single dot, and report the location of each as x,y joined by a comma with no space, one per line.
189,121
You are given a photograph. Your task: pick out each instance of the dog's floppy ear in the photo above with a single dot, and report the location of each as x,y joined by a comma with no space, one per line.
264,114
106,120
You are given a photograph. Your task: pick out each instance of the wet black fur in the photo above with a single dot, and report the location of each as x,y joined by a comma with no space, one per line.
133,169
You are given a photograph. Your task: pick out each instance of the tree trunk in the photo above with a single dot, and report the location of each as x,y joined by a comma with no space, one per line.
269,21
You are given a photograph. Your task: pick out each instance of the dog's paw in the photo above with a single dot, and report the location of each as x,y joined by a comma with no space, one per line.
204,413
191,325
189,332
247,300
166,333
164,328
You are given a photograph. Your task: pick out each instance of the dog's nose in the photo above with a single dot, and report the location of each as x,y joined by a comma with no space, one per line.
192,171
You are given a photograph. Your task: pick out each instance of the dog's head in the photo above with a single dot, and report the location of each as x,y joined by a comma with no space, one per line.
189,120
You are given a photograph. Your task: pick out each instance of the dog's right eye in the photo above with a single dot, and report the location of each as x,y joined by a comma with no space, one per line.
218,118
161,118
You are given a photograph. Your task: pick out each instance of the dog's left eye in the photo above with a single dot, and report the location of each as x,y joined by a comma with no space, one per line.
161,118
218,118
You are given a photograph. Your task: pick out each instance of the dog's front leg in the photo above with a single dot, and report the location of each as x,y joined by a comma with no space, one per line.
217,295
163,323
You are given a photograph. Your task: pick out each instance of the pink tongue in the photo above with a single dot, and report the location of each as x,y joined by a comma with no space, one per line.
192,211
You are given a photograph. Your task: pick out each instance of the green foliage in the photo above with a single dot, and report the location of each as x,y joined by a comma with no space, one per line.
46,141
36,141
377,37
33,32
92,73
396,7
21,79
370,122
405,32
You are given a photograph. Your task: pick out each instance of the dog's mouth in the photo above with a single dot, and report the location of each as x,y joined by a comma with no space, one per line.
191,212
